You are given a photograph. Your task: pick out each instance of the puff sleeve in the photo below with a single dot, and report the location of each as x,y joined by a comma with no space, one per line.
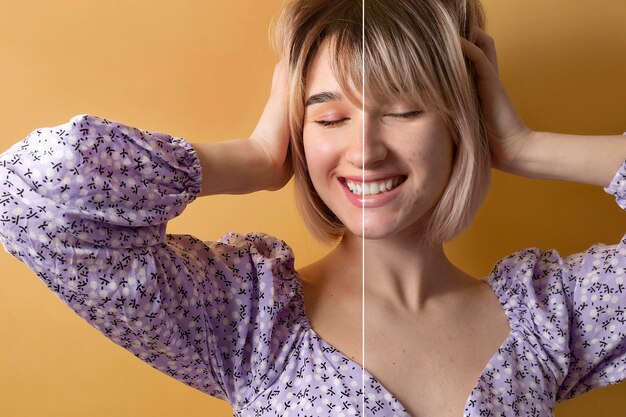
595,294
571,311
85,206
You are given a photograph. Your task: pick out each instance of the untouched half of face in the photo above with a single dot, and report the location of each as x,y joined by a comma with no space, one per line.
402,151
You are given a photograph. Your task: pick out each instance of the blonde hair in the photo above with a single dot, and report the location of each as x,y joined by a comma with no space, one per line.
412,51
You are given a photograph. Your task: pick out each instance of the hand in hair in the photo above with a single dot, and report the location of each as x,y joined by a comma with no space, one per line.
518,150
271,134
262,162
506,131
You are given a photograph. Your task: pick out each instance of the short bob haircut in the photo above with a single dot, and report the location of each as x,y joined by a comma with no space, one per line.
412,51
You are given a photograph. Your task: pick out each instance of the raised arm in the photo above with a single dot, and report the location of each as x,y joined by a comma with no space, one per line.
518,150
85,206
585,159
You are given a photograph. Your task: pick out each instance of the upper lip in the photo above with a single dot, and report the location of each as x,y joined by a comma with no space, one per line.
371,178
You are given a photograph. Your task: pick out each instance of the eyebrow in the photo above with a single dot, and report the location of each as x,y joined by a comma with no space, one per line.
323,97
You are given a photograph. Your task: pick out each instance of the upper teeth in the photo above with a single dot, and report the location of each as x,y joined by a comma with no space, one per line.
374,187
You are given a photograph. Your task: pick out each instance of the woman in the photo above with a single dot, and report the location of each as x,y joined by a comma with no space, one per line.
87,203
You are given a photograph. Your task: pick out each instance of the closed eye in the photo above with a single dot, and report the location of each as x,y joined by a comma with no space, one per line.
407,115
330,123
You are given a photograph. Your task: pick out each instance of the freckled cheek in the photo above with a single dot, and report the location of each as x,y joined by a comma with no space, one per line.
435,152
431,163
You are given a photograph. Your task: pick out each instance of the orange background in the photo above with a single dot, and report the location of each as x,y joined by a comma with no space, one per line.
202,70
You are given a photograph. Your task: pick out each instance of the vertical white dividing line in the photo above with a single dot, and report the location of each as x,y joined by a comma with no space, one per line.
363,205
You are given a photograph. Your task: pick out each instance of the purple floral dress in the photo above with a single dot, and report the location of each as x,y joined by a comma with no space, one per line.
85,205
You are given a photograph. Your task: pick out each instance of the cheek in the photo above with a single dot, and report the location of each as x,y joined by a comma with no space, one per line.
427,157
438,149
320,154
441,163
430,160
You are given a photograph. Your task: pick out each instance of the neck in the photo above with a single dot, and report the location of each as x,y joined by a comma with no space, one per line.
404,273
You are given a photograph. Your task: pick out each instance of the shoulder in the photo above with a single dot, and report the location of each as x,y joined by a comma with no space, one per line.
260,248
253,308
536,267
254,265
558,303
548,280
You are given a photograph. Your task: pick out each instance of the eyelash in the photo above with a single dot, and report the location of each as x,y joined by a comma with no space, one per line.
408,115
328,123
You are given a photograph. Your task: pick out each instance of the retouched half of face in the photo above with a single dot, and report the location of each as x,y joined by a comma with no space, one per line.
403,152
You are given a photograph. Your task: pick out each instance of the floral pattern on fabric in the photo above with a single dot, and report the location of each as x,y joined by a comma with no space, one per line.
85,205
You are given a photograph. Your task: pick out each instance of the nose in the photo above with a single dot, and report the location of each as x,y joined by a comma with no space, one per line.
366,148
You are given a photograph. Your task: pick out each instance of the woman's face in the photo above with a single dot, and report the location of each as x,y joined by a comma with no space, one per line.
393,145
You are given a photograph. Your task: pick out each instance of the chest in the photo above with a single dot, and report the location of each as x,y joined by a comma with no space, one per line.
430,365
431,371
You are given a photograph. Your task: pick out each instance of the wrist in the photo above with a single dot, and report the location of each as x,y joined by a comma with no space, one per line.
520,152
272,171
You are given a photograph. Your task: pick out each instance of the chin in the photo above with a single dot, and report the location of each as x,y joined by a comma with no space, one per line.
377,229
376,233
374,230
374,227
354,226
386,226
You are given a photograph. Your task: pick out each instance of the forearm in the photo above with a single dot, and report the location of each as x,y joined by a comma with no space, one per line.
234,167
585,159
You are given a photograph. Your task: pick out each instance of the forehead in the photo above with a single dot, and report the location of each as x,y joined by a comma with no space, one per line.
322,86
320,76
322,82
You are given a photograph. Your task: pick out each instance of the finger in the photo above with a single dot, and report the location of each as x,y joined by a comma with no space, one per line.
488,46
482,64
279,79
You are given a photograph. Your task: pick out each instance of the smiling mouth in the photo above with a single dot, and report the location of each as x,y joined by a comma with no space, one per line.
374,187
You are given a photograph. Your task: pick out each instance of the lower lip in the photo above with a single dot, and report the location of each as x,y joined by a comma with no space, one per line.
370,201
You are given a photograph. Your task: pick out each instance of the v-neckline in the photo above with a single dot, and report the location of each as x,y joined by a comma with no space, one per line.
346,359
